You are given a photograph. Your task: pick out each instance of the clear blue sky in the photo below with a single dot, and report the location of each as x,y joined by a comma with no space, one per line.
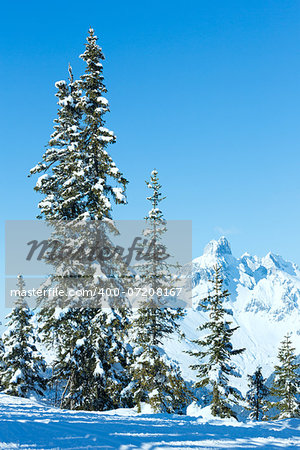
208,92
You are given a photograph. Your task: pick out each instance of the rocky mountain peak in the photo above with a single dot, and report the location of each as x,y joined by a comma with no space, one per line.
220,247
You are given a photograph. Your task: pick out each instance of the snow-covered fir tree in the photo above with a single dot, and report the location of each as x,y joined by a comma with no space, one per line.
216,352
286,383
99,166
87,338
91,360
77,169
80,183
61,164
256,396
156,380
23,371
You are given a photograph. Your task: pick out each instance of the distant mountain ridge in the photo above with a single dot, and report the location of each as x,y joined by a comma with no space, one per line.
265,300
268,284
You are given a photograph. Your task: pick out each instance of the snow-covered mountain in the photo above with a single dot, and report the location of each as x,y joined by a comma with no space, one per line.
265,300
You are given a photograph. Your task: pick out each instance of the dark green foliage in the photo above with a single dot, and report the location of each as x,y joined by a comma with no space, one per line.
256,395
80,183
216,352
92,360
23,368
157,381
286,382
76,165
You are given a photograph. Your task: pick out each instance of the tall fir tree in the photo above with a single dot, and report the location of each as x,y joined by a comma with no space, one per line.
216,352
23,368
286,383
156,380
256,396
80,182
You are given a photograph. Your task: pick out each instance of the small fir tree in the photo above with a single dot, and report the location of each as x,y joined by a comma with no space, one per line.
156,380
23,373
217,351
256,396
286,382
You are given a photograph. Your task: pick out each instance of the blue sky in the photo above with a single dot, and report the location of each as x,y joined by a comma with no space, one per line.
208,92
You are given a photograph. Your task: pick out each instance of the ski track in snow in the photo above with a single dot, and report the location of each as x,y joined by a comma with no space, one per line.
28,424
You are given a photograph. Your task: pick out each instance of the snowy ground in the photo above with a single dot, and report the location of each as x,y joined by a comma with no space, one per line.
28,424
